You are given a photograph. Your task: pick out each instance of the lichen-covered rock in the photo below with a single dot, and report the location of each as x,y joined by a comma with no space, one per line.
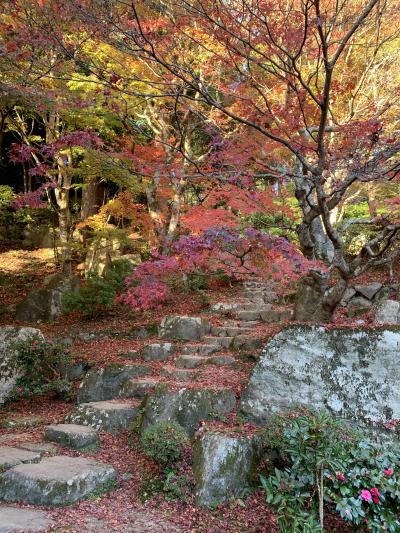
355,374
106,383
388,312
107,416
187,407
58,480
10,457
9,335
187,328
46,303
224,466
76,436
158,352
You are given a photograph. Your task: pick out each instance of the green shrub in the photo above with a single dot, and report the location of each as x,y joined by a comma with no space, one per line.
325,464
40,364
99,293
164,442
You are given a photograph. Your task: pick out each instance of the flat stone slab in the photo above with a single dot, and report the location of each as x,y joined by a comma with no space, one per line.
158,352
16,519
20,422
58,480
10,457
107,416
44,448
72,435
138,388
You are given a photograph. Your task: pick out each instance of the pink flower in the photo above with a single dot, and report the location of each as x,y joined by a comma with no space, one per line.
375,495
388,472
341,477
366,495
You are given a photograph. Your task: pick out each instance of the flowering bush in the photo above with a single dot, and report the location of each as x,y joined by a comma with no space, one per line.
215,251
328,466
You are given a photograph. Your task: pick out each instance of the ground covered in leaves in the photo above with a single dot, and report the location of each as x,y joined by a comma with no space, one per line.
115,338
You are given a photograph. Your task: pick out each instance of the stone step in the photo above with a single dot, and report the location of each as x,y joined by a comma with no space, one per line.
199,349
158,351
222,360
248,315
246,342
10,457
58,480
107,416
230,331
16,519
223,308
179,374
223,342
276,315
44,448
138,388
74,436
190,361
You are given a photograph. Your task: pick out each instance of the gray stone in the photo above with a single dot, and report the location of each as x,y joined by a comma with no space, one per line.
138,388
348,295
276,315
107,416
21,422
388,312
190,361
10,457
74,436
44,448
199,349
312,289
222,360
187,328
180,374
221,342
9,372
106,383
248,315
15,519
158,352
187,407
224,308
224,467
368,290
354,374
101,254
58,480
358,305
46,303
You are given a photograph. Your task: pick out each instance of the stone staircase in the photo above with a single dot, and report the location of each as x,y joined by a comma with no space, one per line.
109,399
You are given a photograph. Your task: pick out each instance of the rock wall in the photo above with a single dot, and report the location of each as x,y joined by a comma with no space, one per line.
354,374
8,372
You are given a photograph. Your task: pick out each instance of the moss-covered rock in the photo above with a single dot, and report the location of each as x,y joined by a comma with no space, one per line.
224,466
187,407
106,383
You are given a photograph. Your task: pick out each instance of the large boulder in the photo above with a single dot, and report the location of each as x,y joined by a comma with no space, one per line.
101,254
187,407
111,416
9,335
106,383
354,374
46,303
224,466
187,328
388,312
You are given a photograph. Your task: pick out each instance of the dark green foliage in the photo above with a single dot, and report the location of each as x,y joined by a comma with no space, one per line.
99,293
322,463
164,442
40,362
